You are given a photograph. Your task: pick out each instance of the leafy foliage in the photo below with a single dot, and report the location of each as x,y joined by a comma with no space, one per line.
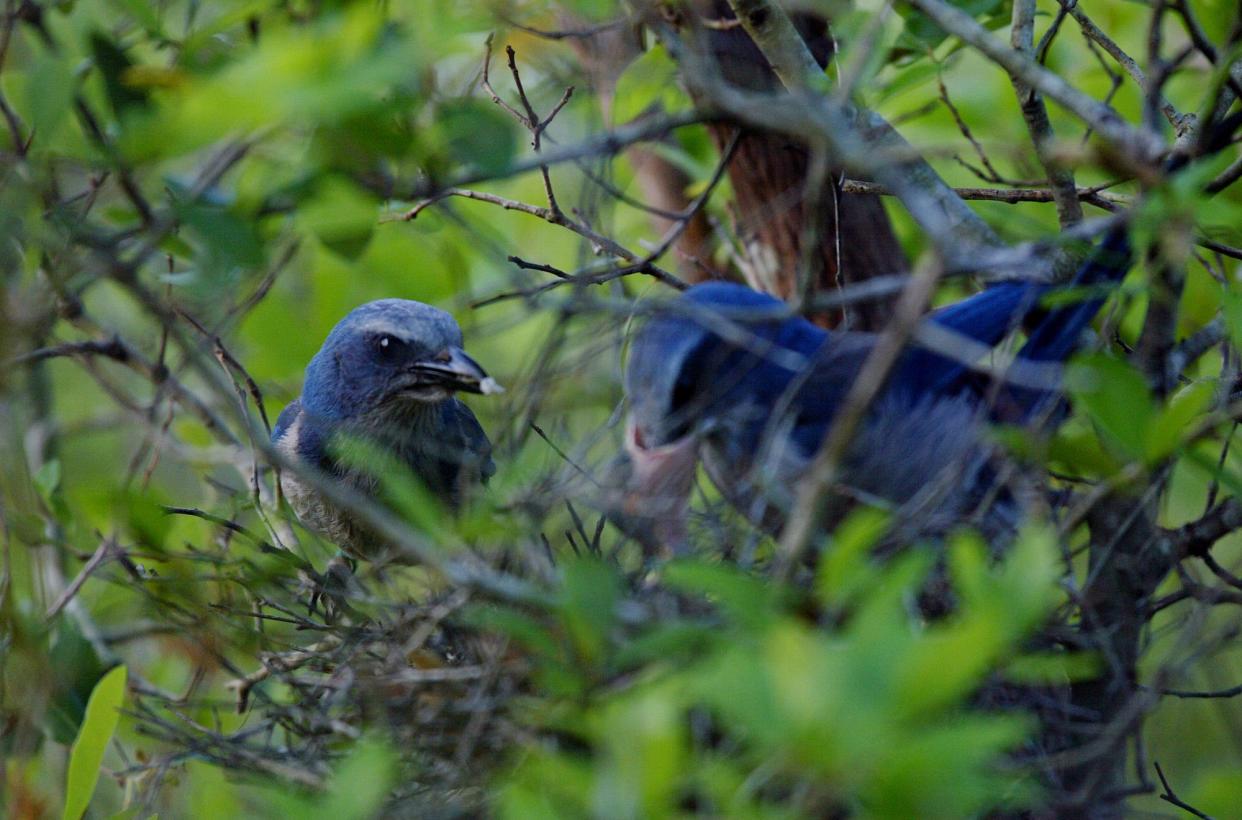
98,725
192,192
751,710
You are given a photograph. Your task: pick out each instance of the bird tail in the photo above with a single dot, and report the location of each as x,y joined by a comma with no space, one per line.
1056,335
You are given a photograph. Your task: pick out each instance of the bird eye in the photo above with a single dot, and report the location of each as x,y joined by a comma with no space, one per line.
388,346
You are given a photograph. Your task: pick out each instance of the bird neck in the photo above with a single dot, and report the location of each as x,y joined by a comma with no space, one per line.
397,421
395,425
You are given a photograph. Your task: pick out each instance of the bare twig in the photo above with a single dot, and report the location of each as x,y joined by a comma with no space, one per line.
1140,147
808,513
1182,123
1170,797
1093,195
599,145
858,140
1022,36
106,550
120,351
557,217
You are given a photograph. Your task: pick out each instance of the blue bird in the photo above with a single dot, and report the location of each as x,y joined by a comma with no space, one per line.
386,374
723,372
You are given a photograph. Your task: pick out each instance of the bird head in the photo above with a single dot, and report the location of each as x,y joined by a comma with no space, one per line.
691,367
389,355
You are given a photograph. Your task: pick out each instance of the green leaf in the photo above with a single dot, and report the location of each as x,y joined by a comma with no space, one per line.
648,81
113,64
1076,449
519,626
400,487
227,244
666,642
1053,668
646,751
342,66
145,517
590,594
144,13
78,670
50,86
1233,315
921,34
595,9
87,754
747,599
341,216
1116,398
1171,423
361,783
47,479
846,566
477,134
906,78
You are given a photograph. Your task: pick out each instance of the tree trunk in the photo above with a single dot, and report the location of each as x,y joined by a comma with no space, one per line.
854,238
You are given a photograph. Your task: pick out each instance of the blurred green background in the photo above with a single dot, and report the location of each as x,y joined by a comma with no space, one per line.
342,110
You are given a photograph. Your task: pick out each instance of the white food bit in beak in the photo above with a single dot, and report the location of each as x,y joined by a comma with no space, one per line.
490,386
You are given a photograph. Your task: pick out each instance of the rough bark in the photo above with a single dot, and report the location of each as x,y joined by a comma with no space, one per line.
769,176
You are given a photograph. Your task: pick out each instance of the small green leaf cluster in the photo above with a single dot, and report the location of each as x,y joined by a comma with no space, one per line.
759,702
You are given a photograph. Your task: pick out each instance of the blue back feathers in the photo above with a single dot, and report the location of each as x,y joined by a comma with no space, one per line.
721,344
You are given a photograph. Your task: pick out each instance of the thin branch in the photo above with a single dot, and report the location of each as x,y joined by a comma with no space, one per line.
1093,195
1193,694
1141,148
772,30
530,119
1182,123
1035,113
1193,346
1226,177
604,144
557,217
858,140
644,265
568,34
230,362
808,512
1197,537
1168,796
120,351
991,175
106,550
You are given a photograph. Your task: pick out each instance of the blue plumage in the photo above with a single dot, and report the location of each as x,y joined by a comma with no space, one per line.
727,371
386,373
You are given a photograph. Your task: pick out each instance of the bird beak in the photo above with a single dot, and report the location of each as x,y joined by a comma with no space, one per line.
654,494
451,368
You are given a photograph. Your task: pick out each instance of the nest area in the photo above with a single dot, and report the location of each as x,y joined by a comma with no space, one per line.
175,243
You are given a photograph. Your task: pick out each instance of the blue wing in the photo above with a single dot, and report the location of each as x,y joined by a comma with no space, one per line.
742,304
285,420
986,317
454,454
989,316
475,447
1057,334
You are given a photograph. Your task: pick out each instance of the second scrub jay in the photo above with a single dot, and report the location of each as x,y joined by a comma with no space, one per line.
725,373
386,374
